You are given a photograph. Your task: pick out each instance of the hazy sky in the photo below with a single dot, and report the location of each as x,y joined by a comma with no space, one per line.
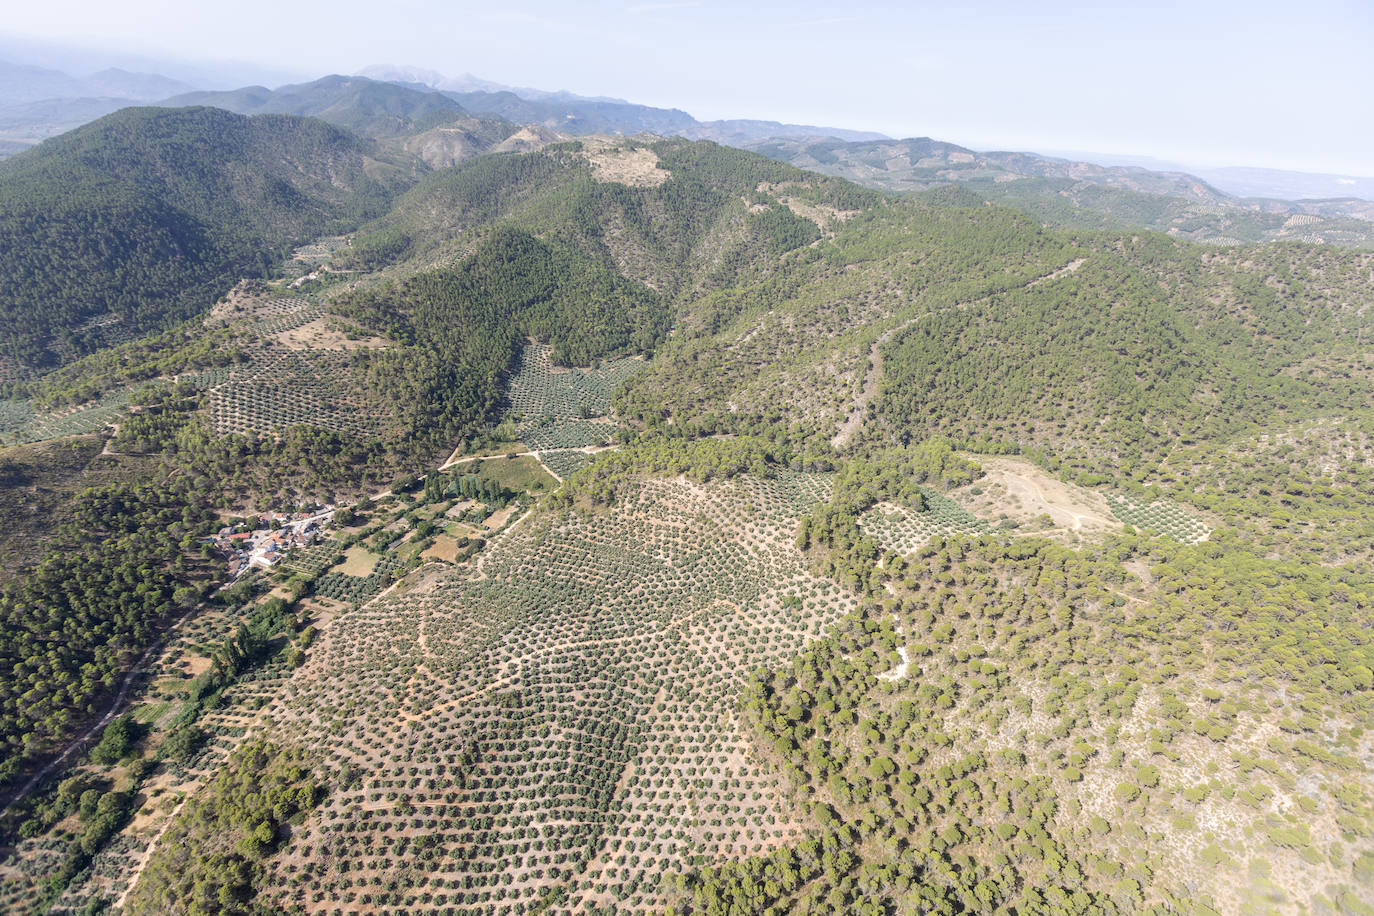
1277,83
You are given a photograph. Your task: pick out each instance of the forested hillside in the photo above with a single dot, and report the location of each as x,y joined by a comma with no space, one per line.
141,219
463,327
363,106
547,245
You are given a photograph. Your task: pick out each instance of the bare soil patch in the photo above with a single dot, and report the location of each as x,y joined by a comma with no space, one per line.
444,548
1019,490
501,516
197,665
826,217
637,168
527,139
1068,268
323,334
320,610
458,509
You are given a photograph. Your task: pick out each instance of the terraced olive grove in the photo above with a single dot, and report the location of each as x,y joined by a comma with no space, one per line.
559,726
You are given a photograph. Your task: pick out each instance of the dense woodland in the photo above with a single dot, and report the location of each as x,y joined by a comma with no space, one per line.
958,786
462,328
1132,378
116,571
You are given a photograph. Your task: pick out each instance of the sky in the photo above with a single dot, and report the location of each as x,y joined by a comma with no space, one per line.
1270,83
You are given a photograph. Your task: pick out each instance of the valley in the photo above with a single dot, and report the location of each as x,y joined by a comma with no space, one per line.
528,523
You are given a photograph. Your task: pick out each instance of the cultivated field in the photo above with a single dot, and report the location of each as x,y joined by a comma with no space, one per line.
1163,516
900,529
299,370
561,727
20,423
559,408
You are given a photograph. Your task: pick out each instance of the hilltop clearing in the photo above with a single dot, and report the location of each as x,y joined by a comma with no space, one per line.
1021,491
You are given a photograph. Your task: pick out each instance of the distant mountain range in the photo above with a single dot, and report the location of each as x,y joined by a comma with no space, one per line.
37,102
1252,182
1082,194
419,102
431,79
1243,181
364,106
20,84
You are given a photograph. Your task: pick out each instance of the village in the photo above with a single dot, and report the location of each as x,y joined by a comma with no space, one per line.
270,538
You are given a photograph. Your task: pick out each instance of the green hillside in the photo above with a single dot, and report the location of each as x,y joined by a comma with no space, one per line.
144,217
1080,195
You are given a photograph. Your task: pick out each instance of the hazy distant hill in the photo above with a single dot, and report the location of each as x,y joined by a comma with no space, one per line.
1353,207
917,163
431,79
356,103
1069,193
37,103
29,122
1253,182
410,103
20,83
578,115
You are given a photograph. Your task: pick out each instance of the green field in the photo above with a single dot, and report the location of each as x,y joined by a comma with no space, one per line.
522,474
280,388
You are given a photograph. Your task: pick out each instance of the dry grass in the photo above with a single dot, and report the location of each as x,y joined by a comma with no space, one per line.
324,334
444,548
1019,490
358,561
499,518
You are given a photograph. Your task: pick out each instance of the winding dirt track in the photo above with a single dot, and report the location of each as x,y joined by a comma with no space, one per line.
854,419
89,735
